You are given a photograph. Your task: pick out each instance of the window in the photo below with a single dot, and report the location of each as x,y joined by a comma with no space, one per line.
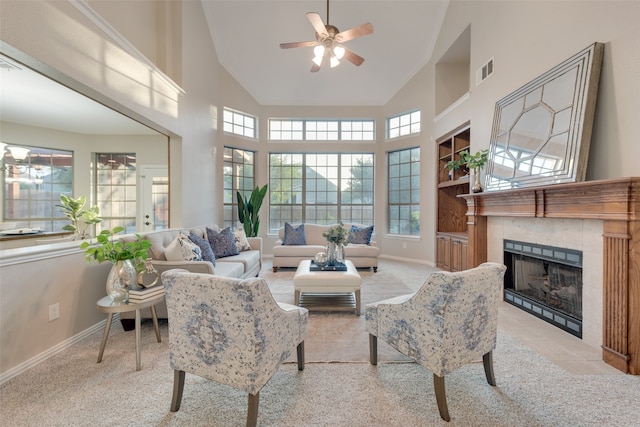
33,180
239,175
403,124
115,190
320,188
239,123
321,130
404,191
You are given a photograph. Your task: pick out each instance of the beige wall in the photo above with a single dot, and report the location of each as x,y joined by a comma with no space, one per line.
524,38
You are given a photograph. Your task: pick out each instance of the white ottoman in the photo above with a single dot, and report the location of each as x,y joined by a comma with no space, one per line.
327,290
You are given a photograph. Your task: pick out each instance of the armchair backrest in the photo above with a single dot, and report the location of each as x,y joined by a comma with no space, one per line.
452,319
228,330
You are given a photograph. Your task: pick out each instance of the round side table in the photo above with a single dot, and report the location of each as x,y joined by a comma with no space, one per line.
106,305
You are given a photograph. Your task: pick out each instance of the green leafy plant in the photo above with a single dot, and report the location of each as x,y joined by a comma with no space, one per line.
471,161
75,211
249,209
337,234
110,249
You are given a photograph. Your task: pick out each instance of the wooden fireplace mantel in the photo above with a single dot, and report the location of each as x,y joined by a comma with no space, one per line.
617,203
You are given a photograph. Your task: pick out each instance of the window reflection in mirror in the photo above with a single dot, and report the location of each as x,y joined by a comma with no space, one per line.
33,180
64,131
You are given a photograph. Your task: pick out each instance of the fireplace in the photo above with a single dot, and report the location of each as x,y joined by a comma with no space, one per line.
545,281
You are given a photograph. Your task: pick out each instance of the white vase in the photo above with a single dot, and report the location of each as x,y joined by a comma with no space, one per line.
121,278
477,183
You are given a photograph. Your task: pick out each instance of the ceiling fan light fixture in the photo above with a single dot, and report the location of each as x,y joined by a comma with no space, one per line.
334,61
317,60
338,51
318,51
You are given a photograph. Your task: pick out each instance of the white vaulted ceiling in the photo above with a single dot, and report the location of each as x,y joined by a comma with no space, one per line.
247,35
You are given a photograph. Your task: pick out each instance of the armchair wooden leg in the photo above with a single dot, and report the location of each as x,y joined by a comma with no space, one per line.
300,351
178,387
373,349
441,397
252,412
487,361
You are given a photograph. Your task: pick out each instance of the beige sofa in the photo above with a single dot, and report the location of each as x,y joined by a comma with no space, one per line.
362,256
244,265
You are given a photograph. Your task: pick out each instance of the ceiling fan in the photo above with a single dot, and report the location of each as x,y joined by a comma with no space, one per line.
329,39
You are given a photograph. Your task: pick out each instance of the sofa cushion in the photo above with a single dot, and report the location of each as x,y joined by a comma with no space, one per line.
246,258
241,240
356,250
360,235
183,249
298,250
294,236
222,243
229,269
205,248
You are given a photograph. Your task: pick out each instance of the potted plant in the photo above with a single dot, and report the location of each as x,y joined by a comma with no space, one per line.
80,217
337,237
474,162
249,209
125,257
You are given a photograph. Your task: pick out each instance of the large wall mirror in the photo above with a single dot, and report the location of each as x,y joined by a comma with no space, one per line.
542,131
56,140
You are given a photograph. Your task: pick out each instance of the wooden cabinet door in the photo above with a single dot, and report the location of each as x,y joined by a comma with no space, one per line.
459,255
443,253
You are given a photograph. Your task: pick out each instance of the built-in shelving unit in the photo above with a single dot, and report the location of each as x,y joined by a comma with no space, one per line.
451,234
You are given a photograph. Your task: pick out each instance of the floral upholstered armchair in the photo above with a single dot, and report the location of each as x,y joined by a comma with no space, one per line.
229,330
451,321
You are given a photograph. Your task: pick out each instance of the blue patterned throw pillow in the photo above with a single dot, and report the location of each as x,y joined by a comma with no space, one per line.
205,247
294,235
223,243
360,236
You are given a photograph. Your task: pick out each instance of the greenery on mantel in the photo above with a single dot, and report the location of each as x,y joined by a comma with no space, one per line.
471,161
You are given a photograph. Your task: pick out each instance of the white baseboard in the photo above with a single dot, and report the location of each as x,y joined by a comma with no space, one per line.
28,364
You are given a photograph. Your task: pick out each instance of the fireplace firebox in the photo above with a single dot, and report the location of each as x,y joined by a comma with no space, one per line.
545,281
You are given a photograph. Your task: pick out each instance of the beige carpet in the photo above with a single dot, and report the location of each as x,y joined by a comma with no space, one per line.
337,388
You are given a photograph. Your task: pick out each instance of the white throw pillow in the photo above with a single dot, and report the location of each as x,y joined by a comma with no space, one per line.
241,240
182,249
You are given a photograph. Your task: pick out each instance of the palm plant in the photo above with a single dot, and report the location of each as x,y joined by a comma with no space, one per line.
249,209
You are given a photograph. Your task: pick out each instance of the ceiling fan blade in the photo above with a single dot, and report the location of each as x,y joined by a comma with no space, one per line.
354,58
355,32
297,44
317,23
315,67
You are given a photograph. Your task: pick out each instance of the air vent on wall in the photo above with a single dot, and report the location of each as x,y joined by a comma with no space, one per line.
484,72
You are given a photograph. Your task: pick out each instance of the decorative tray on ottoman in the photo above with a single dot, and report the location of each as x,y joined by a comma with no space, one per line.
338,266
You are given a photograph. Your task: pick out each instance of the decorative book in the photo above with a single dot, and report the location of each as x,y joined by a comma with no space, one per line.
146,293
338,266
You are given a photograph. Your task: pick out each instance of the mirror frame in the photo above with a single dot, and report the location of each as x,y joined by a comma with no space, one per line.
586,66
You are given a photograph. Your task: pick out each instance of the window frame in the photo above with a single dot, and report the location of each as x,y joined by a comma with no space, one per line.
406,121
311,198
232,206
413,205
304,129
241,123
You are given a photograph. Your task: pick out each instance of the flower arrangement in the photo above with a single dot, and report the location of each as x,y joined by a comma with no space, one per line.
337,234
109,249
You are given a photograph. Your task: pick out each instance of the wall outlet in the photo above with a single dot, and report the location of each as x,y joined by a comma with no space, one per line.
54,311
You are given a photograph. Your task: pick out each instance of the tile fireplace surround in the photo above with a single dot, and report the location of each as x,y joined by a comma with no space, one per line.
600,218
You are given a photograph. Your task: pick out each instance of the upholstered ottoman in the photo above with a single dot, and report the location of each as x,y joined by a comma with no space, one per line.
327,290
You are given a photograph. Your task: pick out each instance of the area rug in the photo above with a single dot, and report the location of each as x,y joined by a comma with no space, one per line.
338,386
